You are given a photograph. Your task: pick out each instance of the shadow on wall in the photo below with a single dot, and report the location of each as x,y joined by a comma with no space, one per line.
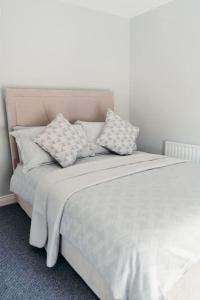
5,158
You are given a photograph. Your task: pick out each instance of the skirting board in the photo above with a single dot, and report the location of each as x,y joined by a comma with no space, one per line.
8,199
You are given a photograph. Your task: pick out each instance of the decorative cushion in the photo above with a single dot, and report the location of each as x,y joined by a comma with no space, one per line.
62,141
93,131
30,154
118,135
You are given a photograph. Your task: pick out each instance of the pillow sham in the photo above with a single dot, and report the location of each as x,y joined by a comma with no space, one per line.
62,141
118,135
93,131
30,154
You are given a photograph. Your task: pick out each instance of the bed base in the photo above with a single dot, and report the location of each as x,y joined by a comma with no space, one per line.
25,206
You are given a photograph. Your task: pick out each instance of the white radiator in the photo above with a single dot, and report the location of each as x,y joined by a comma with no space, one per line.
183,151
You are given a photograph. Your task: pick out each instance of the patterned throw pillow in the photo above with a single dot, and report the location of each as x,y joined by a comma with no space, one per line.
62,141
118,135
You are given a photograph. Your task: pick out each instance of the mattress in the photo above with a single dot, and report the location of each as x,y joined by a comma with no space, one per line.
24,185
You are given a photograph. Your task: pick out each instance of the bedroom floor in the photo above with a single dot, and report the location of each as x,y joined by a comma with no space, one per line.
23,273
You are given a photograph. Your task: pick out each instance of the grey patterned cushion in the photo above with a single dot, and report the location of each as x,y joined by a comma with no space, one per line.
118,135
62,141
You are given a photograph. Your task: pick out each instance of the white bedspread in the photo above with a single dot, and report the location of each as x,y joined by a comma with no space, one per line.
127,247
24,185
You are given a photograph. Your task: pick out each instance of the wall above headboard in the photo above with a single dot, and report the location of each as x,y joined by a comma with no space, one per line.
49,43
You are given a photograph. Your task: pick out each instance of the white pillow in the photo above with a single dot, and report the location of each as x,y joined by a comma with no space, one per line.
93,131
89,148
118,135
31,155
62,140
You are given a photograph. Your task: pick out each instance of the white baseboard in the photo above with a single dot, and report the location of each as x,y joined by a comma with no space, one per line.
8,199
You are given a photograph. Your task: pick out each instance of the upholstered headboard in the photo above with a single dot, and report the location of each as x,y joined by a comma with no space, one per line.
38,107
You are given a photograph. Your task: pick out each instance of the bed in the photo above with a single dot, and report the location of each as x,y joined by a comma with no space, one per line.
37,107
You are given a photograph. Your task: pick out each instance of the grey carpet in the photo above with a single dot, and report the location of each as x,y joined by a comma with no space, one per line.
23,273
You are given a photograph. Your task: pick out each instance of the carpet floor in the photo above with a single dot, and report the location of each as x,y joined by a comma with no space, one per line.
23,272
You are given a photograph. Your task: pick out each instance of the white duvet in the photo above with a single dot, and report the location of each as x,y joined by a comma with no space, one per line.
136,219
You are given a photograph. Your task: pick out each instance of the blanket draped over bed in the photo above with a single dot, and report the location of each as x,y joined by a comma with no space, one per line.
132,273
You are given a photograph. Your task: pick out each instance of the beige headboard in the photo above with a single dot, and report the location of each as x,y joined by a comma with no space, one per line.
38,107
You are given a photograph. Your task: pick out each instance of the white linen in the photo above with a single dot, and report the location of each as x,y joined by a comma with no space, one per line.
31,155
140,232
52,193
186,288
24,185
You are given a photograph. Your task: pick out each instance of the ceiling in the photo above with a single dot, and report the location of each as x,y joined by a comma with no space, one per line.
123,8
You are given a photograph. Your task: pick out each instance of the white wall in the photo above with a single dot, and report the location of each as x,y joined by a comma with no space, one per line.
53,44
165,84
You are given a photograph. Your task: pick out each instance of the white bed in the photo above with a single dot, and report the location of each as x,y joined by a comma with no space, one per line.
187,287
